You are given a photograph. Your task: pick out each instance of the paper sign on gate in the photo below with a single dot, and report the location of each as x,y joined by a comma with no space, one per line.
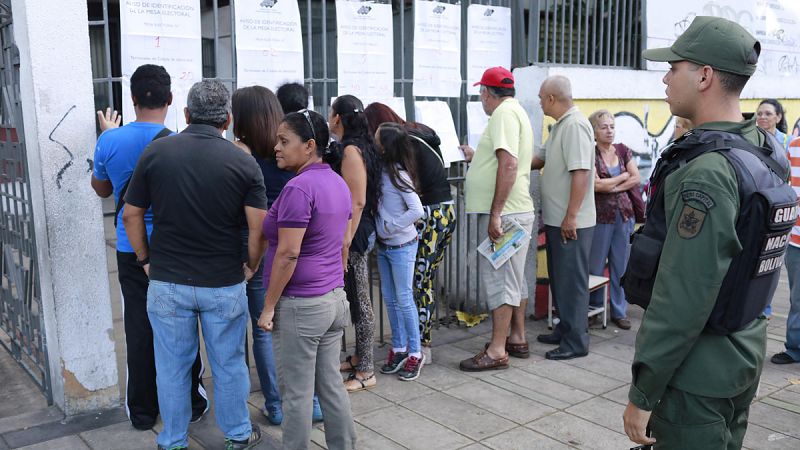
488,41
165,33
269,43
437,49
476,123
437,115
365,45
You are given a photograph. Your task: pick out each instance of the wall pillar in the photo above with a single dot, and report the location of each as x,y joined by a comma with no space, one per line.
58,110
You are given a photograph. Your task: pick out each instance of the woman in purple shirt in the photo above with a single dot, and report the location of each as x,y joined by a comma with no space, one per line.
305,306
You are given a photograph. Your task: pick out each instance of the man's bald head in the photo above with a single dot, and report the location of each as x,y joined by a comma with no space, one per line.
555,96
559,87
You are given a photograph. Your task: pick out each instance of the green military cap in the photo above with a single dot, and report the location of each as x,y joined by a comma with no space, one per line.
715,42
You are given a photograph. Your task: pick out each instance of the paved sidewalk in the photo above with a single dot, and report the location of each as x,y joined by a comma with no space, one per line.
535,404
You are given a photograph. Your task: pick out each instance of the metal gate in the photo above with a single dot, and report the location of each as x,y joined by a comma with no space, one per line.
539,31
21,319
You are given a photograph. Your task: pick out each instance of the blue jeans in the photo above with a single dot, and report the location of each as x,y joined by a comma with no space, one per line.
793,322
396,266
262,342
173,310
611,241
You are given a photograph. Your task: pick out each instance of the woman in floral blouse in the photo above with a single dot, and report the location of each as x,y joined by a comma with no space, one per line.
616,173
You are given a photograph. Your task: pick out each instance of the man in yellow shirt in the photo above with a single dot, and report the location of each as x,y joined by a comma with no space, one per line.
497,190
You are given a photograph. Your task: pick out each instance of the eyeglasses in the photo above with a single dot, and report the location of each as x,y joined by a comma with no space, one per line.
306,114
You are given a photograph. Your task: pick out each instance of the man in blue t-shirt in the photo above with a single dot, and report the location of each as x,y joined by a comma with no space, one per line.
117,151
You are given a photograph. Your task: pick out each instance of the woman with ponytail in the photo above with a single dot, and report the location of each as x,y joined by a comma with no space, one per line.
305,307
355,159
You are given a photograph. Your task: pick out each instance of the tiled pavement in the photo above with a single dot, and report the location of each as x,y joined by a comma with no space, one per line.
535,404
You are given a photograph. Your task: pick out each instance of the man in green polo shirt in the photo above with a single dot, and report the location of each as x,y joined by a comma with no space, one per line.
497,191
691,385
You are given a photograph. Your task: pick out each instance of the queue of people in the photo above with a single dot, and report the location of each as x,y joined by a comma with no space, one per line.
305,212
277,226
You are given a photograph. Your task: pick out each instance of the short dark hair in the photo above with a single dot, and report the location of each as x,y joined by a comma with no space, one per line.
256,116
293,97
732,83
499,92
299,124
151,86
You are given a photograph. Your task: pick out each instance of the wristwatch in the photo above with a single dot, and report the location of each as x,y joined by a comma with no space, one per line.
143,262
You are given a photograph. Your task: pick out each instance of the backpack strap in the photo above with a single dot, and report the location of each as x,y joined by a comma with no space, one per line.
163,133
720,143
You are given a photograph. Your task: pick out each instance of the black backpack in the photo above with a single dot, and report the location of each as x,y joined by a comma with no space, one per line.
768,210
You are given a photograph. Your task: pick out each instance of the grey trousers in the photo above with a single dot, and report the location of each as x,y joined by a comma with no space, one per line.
568,269
307,338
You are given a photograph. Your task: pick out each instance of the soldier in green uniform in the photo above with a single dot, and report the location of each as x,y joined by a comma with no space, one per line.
691,386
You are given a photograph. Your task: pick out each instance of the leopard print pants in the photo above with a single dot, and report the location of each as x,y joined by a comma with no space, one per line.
357,289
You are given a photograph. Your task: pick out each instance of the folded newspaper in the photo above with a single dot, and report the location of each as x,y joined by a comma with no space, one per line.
514,238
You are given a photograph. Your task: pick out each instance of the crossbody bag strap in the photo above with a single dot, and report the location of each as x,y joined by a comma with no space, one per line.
429,148
163,133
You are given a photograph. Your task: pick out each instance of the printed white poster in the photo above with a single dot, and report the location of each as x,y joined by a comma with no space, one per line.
488,41
437,49
165,33
174,18
775,23
476,123
269,43
365,49
437,115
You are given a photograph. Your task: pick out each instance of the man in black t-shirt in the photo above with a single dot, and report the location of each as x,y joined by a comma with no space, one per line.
201,189
115,157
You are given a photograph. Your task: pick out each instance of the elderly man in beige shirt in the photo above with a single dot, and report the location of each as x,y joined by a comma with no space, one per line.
569,216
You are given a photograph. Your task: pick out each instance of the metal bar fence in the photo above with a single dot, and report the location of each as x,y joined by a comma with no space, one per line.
551,38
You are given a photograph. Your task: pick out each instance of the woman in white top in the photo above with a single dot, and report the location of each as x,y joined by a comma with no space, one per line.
399,208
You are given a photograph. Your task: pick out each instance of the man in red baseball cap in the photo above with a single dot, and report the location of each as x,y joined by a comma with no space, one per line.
497,191
497,77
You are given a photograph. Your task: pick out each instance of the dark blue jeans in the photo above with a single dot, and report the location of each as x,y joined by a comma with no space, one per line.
262,341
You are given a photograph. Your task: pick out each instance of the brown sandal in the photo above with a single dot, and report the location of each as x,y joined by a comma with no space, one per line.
363,383
347,362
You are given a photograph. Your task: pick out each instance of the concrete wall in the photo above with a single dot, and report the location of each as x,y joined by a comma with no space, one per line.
57,103
636,97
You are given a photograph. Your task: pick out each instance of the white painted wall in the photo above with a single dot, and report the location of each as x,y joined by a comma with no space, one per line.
599,83
57,99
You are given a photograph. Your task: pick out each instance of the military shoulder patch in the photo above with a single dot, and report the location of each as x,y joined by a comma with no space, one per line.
698,196
690,222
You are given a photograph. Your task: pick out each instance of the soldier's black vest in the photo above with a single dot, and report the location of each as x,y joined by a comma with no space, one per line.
767,211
